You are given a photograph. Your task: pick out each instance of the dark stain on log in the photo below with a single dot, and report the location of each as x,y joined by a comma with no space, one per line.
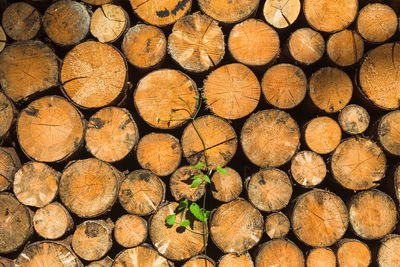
144,177
91,230
31,111
180,6
127,193
97,123
163,13
124,124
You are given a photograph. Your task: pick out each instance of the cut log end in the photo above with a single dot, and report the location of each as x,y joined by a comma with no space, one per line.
306,46
352,252
7,115
226,188
289,254
281,14
323,135
319,257
354,119
180,184
388,252
199,261
229,260
388,134
308,168
105,262
143,256
345,48
277,225
130,230
9,165
227,11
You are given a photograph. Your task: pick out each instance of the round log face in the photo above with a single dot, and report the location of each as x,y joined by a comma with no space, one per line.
387,254
308,168
306,45
289,254
180,184
199,261
345,48
8,167
6,115
130,230
352,252
354,119
388,133
140,256
229,260
321,257
226,188
323,135
281,14
277,225
228,11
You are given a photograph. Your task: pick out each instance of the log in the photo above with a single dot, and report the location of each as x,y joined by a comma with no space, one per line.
279,252
277,225
270,138
322,134
93,239
358,164
308,168
228,260
21,21
36,184
3,39
229,12
196,43
141,192
319,218
224,187
306,46
159,152
378,76
66,23
318,257
281,14
387,253
94,81
199,261
97,2
269,189
161,13
253,42
330,89
105,262
377,22
219,138
9,165
345,48
50,129
180,184
89,187
388,133
165,98
4,262
143,255
354,119
7,116
352,252
330,15
112,134
236,226
373,214
175,242
15,223
52,221
130,230
108,23
232,91
26,68
284,86
145,46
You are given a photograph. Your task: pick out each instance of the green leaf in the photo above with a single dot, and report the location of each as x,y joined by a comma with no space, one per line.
196,211
196,97
196,177
204,97
185,223
207,179
198,165
196,182
183,204
170,220
222,170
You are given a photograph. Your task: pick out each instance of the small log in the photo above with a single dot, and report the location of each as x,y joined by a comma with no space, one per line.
277,225
224,187
345,48
232,91
388,133
27,67
306,46
352,252
229,260
354,119
270,138
319,218
322,134
378,76
97,2
373,214
105,262
180,184
175,242
161,13
47,253
196,43
159,152
330,15
284,86
94,75
89,187
219,138
52,221
7,116
66,22
236,226
229,12
21,21
112,134
165,98
93,239
143,255
319,257
281,14
308,168
377,22
9,165
144,46
3,40
50,129
330,89
108,23
388,255
141,192
4,262
36,184
279,252
199,261
15,223
253,42
130,230
269,189
358,164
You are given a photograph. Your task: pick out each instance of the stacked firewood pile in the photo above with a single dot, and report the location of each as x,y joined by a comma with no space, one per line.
199,133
